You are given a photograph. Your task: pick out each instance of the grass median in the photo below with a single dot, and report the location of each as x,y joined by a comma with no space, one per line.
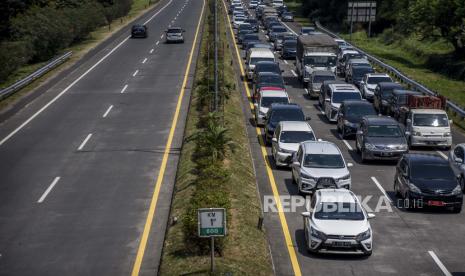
244,251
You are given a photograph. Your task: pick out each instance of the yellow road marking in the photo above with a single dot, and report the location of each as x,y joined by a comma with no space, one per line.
282,217
161,173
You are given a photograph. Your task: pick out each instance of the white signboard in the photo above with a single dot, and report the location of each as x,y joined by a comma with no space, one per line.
212,222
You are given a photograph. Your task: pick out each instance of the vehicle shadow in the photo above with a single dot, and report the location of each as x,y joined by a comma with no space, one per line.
292,82
290,186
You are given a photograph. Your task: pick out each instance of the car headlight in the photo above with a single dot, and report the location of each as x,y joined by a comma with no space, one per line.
369,146
403,147
457,190
416,133
414,188
363,236
345,177
447,134
286,151
317,234
306,176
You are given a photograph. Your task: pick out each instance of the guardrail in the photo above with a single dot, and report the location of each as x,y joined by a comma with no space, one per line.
4,93
400,76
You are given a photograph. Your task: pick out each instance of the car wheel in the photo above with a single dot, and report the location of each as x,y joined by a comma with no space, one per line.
368,253
457,209
363,156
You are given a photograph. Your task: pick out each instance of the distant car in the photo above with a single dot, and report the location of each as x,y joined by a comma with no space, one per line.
242,33
369,82
238,20
398,102
289,49
341,42
253,4
255,44
249,37
427,180
287,17
337,93
380,138
343,57
319,165
324,93
139,31
316,80
281,112
253,23
266,66
355,62
350,115
174,35
255,56
383,92
264,100
306,30
286,139
337,222
357,73
281,9
457,162
275,30
268,79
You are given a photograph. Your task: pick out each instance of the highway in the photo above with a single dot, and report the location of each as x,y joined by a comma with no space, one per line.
423,242
87,169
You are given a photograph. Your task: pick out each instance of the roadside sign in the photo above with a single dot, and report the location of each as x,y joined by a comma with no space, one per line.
211,222
361,11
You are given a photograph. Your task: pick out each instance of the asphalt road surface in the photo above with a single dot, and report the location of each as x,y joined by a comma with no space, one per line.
425,242
80,164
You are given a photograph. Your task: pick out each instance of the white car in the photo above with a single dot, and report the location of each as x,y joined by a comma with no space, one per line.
286,140
264,101
238,20
457,163
335,95
337,223
253,4
369,83
319,165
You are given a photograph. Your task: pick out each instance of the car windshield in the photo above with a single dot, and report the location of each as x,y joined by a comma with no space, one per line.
174,31
320,79
359,72
306,31
245,27
358,111
387,92
251,21
431,171
261,45
320,61
339,97
384,131
329,161
251,37
267,101
431,120
290,44
339,211
268,68
270,79
254,60
287,115
296,136
287,13
376,80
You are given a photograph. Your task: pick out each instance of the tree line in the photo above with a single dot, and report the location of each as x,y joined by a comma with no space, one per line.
426,18
36,30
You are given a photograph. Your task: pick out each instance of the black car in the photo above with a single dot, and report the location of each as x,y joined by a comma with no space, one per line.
289,49
383,92
350,115
281,112
356,74
275,30
139,31
398,101
268,79
287,17
266,66
253,23
424,180
281,9
242,33
380,138
249,37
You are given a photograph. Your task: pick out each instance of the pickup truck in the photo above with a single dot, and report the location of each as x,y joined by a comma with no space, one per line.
426,122
315,53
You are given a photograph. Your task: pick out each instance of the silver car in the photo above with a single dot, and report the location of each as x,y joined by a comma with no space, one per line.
319,165
286,140
457,162
175,35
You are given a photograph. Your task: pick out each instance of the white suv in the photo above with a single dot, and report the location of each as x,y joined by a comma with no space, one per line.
287,138
264,101
336,94
337,223
319,165
369,83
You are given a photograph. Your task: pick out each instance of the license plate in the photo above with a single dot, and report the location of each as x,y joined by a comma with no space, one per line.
436,203
341,244
386,154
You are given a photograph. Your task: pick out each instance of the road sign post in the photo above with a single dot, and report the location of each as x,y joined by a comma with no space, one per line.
211,224
361,11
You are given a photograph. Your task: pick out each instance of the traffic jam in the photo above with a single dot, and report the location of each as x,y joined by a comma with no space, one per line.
338,130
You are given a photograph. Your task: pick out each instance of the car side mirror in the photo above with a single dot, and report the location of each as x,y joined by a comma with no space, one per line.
451,122
350,165
305,214
458,160
359,132
371,216
274,139
327,100
296,163
407,133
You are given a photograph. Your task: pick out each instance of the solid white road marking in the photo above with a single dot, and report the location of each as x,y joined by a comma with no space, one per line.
151,51
381,188
135,73
293,73
108,111
44,195
321,110
158,42
74,82
145,59
85,141
289,28
439,263
346,143
285,61
162,36
124,88
442,154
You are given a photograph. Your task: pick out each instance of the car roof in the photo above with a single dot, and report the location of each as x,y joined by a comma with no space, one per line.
278,106
138,26
260,74
428,111
320,147
267,62
295,126
264,88
358,60
175,28
356,102
350,51
378,75
336,195
336,87
386,84
329,82
380,120
260,50
425,158
405,92
273,93
322,73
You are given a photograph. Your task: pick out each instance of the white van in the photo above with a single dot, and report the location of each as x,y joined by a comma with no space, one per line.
256,55
277,3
